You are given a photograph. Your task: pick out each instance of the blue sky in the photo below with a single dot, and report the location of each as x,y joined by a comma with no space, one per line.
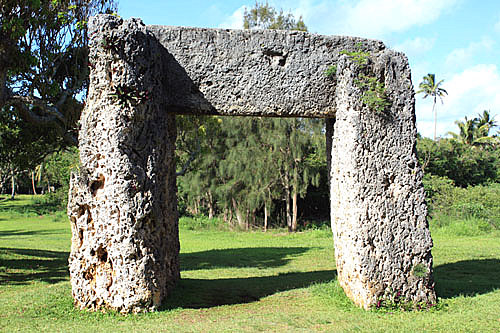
455,39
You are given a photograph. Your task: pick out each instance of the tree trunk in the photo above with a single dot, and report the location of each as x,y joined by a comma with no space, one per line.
294,210
265,216
195,210
13,185
435,118
239,217
33,182
287,201
210,205
247,220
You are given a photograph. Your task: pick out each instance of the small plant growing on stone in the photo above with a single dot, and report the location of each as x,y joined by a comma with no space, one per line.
128,95
360,57
331,71
374,95
110,43
374,92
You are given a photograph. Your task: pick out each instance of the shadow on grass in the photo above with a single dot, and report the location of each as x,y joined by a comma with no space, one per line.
261,257
21,266
35,207
467,277
10,233
204,293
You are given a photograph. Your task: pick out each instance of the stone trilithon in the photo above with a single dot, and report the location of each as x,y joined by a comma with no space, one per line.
123,206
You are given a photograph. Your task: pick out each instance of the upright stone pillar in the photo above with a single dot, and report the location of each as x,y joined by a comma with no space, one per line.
378,211
122,205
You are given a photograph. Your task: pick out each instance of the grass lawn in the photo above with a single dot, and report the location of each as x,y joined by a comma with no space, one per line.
239,282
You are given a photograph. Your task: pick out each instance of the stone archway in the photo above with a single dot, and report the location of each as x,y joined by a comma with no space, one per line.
123,206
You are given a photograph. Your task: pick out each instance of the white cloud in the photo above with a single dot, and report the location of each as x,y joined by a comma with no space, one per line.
463,56
235,21
376,18
497,25
416,46
469,93
365,18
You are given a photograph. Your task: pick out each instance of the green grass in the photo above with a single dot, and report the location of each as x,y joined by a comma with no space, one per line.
239,282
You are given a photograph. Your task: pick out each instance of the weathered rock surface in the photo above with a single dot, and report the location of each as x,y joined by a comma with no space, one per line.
254,72
378,212
122,205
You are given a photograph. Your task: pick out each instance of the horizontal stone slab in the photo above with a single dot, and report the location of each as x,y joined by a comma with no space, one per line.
256,72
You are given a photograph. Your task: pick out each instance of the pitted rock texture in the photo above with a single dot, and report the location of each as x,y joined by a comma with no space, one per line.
254,72
378,210
122,205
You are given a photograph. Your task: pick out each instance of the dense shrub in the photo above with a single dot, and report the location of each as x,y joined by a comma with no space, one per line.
464,164
54,201
202,223
470,210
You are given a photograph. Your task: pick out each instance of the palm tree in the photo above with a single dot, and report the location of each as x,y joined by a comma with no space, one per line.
468,131
475,132
430,87
486,123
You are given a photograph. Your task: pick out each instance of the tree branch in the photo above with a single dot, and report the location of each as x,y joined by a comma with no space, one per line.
22,102
191,158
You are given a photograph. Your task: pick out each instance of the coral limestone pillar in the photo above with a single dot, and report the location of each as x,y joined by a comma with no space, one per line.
122,205
378,211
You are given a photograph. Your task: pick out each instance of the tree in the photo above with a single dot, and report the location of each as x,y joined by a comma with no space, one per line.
44,63
464,164
475,132
43,70
263,16
245,167
486,123
22,146
429,87
289,138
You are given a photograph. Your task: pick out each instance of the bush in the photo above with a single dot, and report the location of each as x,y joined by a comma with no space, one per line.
464,164
471,210
436,185
52,202
202,223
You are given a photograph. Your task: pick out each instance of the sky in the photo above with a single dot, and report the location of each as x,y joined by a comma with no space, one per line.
457,40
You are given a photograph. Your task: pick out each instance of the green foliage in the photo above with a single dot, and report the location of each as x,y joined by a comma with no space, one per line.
264,16
374,94
475,132
359,57
23,145
465,165
436,185
429,87
129,96
331,71
420,271
59,166
43,62
202,223
478,204
248,165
